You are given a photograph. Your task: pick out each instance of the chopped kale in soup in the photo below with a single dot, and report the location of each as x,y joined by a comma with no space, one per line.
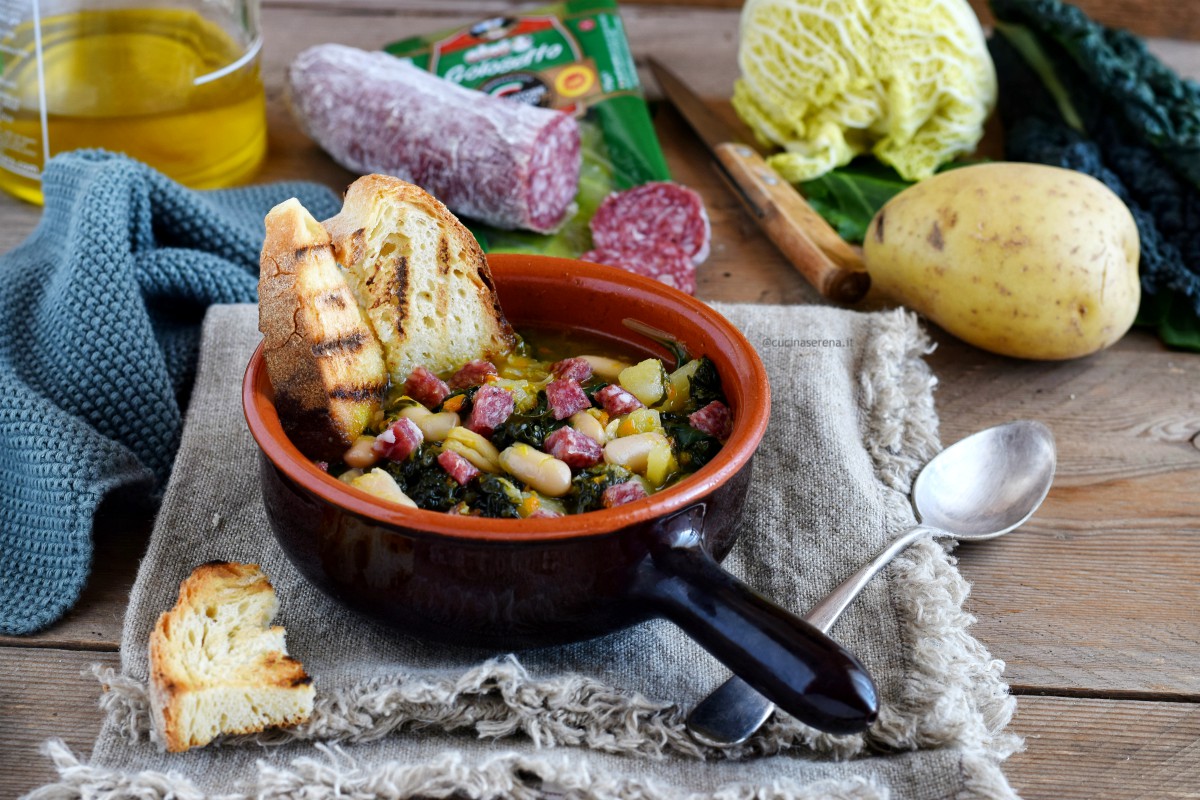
558,426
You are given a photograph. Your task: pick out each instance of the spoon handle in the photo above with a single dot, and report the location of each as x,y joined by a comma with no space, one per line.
734,710
825,613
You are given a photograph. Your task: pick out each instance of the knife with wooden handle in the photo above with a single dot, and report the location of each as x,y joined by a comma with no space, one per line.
831,265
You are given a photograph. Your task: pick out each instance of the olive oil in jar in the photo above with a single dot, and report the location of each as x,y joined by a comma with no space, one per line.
166,86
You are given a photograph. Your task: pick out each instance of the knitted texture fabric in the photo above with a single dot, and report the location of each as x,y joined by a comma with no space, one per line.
100,313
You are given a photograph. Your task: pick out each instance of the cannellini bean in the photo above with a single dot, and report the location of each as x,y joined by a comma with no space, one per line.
382,485
544,473
474,448
588,425
415,411
360,455
633,452
605,368
435,427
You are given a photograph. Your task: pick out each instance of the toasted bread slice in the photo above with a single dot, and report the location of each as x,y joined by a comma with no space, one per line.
215,665
420,275
326,365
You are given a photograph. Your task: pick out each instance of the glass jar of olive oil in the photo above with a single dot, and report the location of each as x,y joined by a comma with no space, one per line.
176,85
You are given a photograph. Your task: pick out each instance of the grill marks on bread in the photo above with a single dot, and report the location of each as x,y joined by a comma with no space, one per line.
392,282
325,363
420,275
354,393
333,299
345,345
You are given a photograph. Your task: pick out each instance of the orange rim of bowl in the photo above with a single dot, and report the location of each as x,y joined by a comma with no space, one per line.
749,425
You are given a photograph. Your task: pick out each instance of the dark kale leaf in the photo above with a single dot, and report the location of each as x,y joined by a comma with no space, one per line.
692,448
705,385
496,497
587,488
425,482
531,427
1159,108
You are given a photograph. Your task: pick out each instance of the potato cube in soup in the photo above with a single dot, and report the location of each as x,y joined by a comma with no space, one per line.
646,380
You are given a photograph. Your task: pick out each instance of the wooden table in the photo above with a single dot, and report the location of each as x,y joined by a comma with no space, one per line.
1094,605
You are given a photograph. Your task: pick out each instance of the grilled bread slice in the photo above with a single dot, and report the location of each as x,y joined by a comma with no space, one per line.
326,365
420,275
215,664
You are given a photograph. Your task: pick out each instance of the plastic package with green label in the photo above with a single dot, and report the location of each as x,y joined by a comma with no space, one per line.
571,56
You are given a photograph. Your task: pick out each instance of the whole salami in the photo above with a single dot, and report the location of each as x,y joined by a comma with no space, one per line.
651,215
499,161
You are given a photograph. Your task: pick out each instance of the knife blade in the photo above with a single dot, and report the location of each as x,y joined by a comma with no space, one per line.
831,265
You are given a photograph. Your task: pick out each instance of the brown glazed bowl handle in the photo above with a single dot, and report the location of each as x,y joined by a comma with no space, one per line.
787,660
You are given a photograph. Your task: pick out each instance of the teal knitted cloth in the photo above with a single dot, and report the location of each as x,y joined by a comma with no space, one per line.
100,314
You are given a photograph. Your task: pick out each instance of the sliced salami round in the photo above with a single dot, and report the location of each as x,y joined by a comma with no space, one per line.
617,401
714,419
576,369
663,262
457,467
651,215
399,441
499,161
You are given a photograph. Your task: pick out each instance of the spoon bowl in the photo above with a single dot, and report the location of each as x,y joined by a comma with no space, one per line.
979,488
989,483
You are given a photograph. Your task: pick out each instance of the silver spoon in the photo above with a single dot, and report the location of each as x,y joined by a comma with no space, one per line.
978,488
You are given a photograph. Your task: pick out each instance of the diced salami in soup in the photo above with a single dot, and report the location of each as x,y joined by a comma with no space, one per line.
538,426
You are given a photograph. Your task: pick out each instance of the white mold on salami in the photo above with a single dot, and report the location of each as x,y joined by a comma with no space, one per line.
505,163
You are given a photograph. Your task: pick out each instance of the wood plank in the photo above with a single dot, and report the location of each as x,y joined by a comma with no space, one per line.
17,221
1125,413
1114,749
1118,535
1075,748
1144,17
1099,613
45,694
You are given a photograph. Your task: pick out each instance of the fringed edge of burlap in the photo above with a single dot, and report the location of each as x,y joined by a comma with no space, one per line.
954,692
335,774
954,695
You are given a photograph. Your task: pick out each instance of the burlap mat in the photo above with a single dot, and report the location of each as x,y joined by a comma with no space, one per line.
852,421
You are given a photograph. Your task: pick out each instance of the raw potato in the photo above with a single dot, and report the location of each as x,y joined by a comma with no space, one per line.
1023,260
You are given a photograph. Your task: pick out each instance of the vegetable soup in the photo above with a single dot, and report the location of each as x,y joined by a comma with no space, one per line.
560,425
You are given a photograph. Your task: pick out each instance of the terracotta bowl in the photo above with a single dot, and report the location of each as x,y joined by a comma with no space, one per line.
509,584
